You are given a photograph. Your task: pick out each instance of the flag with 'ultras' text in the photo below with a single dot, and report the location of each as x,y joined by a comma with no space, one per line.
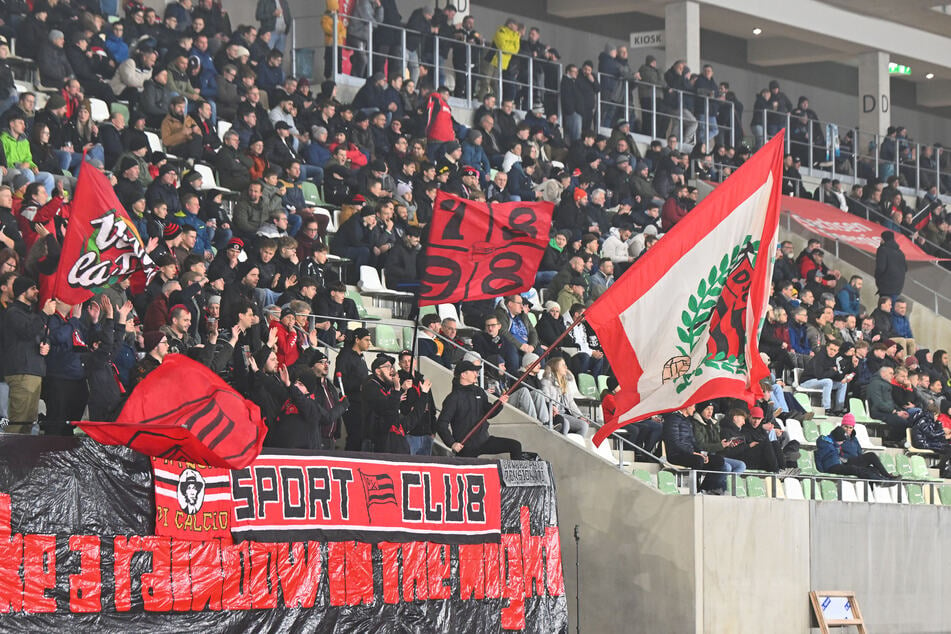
682,325
101,246
482,250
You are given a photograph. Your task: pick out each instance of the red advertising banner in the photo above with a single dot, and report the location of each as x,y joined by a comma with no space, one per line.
280,498
482,250
832,223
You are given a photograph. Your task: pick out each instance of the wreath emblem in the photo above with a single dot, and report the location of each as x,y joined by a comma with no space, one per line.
721,298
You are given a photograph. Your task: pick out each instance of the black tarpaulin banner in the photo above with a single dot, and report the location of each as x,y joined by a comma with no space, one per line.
78,550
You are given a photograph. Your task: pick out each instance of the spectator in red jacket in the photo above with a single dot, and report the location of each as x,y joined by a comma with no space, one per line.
674,209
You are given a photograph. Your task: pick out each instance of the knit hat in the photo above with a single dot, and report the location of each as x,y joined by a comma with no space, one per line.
127,162
22,284
171,231
56,34
56,101
138,142
848,420
214,300
381,360
152,338
550,305
580,194
527,360
450,146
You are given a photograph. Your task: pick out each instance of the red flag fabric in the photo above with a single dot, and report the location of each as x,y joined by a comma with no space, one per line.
101,245
682,324
829,222
482,250
184,411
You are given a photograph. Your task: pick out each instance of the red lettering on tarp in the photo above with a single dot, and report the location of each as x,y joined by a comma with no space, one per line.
337,573
11,556
206,575
391,571
438,561
359,573
39,572
298,567
181,581
471,572
122,549
263,575
513,615
5,517
236,566
493,572
414,571
157,585
532,558
554,576
85,589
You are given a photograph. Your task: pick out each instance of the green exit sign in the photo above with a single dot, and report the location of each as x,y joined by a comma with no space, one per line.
898,69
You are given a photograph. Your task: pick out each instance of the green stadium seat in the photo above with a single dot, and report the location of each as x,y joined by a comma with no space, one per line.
666,483
755,487
427,310
858,409
384,338
644,476
358,300
944,494
903,466
888,461
811,431
533,319
587,386
740,486
602,383
919,469
827,490
914,494
826,427
311,193
120,107
807,463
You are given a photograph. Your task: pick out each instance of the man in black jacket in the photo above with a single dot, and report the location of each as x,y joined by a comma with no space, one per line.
463,409
890,267
25,339
351,370
682,450
331,404
572,104
417,409
822,372
381,397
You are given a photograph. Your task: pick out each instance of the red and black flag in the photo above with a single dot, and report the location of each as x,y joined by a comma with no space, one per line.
378,489
184,411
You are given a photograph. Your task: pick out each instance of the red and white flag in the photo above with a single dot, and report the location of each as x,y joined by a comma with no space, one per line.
682,325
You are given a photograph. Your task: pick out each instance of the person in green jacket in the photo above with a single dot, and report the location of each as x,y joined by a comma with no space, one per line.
16,148
706,431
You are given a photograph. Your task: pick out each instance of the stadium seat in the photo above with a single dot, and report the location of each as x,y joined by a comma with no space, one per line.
886,495
578,439
448,311
919,469
98,110
806,463
208,180
849,492
826,427
118,106
223,126
792,489
944,494
587,386
155,143
426,310
858,409
666,483
644,476
910,448
903,466
602,380
828,490
532,319
361,308
794,430
888,461
913,494
384,337
311,193
861,435
604,450
740,484
755,487
805,390
811,431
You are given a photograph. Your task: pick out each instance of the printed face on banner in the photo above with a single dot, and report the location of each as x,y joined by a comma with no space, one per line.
482,250
191,491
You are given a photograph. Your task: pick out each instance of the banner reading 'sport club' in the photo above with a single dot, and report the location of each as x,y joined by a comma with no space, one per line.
682,324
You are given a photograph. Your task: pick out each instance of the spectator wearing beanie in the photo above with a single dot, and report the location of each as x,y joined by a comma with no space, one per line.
155,347
25,347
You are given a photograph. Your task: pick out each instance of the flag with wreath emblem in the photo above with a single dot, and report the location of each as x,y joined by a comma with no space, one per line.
682,325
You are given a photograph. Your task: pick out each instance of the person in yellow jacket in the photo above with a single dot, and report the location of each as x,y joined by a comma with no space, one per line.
327,22
508,41
181,136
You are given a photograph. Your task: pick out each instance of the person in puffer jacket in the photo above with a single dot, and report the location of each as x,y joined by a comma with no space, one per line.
928,433
841,454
